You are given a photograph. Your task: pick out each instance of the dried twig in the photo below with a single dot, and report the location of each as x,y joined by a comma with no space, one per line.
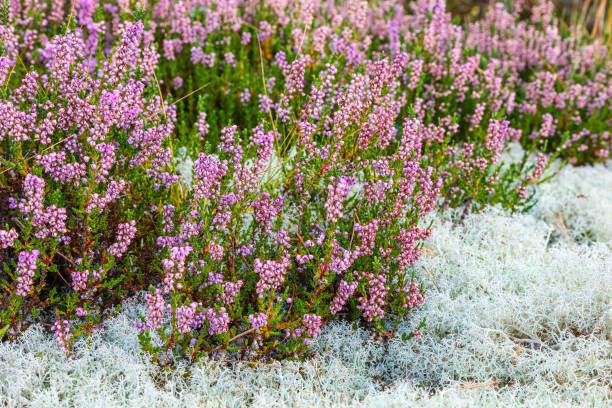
429,252
480,385
558,217
163,104
190,93
317,374
432,278
244,333
457,345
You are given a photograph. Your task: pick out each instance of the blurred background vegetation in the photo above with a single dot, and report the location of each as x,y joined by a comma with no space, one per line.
592,18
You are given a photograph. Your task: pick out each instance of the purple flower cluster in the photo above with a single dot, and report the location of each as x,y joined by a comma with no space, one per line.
312,323
216,251
185,316
174,267
271,274
258,321
7,238
337,191
62,334
125,234
218,321
373,304
156,310
208,172
345,291
26,269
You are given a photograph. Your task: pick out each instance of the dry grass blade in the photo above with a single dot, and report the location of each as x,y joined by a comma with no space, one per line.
480,385
558,218
190,93
432,278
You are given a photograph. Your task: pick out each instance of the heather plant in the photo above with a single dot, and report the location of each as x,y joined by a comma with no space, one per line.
215,49
257,262
313,138
560,85
84,158
251,248
441,89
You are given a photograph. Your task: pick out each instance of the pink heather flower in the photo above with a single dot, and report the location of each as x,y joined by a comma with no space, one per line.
265,143
271,274
414,296
216,251
185,317
127,55
197,55
540,166
266,210
416,69
56,166
230,291
167,221
258,321
174,267
548,128
245,96
177,82
79,280
497,134
156,308
294,82
202,126
373,306
313,323
218,321
62,333
51,222
115,188
97,274
265,103
367,233
214,278
265,31
107,160
125,233
5,66
478,114
7,238
417,334
271,83
81,312
230,59
345,291
342,259
208,172
33,189
521,190
337,191
209,59
410,145
410,251
26,267
302,259
245,39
